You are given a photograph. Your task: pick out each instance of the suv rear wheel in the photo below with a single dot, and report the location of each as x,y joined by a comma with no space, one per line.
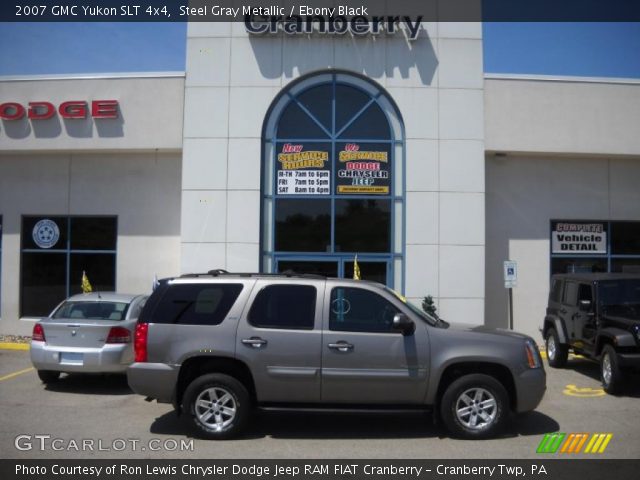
557,353
217,406
474,406
610,373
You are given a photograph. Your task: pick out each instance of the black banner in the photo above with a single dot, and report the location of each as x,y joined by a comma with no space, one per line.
542,467
356,13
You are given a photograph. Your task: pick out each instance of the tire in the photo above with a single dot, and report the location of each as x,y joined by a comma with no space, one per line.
610,373
557,353
457,406
217,406
48,376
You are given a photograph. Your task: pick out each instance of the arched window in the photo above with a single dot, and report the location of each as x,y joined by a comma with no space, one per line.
333,180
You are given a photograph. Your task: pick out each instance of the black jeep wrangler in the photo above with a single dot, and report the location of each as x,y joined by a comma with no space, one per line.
597,315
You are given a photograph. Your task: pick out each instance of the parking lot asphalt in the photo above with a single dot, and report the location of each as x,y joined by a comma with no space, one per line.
102,411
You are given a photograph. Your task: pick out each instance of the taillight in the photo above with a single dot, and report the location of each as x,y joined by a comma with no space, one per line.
140,342
118,335
38,333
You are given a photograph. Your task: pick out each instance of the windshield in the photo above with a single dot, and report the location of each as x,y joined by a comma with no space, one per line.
619,293
92,310
427,318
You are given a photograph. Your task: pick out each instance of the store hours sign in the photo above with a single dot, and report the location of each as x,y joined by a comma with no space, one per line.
303,170
578,238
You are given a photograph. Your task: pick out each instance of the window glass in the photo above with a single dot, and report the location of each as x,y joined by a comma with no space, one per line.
349,101
303,225
556,291
100,269
318,101
93,310
625,238
327,269
619,296
93,233
625,265
363,225
570,293
284,306
359,310
54,257
578,265
43,282
295,123
371,124
196,304
584,292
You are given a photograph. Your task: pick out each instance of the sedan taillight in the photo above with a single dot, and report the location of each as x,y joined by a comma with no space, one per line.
119,335
38,333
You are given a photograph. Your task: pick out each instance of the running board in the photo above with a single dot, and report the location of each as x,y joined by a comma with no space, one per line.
345,409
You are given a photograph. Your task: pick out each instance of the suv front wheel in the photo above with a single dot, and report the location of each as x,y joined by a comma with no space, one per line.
557,353
474,406
217,406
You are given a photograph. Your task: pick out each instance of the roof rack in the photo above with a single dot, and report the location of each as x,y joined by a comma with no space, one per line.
218,272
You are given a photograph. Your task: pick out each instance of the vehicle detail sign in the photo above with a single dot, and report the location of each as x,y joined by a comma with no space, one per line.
578,238
363,169
303,172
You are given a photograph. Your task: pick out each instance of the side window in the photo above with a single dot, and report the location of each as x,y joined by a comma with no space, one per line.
359,310
196,304
284,306
556,291
584,292
570,293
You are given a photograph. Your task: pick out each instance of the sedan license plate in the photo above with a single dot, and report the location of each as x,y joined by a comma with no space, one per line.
71,357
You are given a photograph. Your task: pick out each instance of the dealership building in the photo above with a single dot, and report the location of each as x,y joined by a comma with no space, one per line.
281,151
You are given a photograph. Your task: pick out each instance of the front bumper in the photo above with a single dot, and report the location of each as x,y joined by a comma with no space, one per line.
530,386
154,380
106,359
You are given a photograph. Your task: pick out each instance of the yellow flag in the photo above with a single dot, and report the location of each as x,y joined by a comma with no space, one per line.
356,269
86,286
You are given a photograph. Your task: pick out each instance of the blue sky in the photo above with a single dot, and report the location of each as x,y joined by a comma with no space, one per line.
582,49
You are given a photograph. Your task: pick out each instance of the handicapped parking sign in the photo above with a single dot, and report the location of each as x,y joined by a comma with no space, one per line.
510,274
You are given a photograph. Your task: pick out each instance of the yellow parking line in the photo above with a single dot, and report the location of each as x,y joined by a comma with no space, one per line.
15,374
13,346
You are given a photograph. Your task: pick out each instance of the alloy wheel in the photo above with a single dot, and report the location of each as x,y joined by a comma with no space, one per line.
476,408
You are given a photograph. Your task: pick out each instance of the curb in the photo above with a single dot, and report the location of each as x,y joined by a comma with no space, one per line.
14,346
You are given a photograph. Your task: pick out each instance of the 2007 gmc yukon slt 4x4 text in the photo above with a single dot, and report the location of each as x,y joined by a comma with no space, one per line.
218,345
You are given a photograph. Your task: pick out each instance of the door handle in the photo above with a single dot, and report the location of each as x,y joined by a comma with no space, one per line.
341,346
562,310
255,342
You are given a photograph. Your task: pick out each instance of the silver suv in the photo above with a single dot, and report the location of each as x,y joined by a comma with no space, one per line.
218,345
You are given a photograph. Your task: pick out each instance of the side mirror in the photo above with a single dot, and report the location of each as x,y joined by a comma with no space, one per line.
404,324
584,305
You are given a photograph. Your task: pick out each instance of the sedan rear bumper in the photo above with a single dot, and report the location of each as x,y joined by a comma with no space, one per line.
107,359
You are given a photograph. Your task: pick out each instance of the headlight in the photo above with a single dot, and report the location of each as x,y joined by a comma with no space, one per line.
533,355
636,329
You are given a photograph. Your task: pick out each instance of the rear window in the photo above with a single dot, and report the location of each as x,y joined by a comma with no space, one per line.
92,310
196,304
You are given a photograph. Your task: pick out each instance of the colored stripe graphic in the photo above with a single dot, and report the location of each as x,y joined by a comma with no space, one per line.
559,442
598,443
551,442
